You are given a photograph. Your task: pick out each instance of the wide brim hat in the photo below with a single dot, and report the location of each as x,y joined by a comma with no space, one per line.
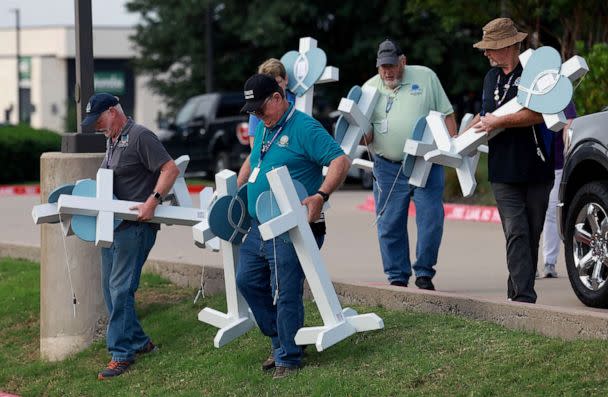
500,33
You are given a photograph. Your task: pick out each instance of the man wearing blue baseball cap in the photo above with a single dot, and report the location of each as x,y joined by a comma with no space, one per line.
143,172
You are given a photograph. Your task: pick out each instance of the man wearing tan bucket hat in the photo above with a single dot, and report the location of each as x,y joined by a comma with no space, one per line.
520,168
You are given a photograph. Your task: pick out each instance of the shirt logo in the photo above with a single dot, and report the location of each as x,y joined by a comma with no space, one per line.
415,89
284,141
517,81
124,141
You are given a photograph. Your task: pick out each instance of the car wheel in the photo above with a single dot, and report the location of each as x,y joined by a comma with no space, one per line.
367,179
222,162
586,244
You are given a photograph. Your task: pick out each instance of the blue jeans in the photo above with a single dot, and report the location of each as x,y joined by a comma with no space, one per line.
120,271
392,222
256,278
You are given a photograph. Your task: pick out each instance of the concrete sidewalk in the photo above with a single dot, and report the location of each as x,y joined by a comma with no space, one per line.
471,258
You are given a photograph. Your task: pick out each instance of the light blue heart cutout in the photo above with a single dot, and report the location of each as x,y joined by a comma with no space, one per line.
541,87
267,208
342,124
85,226
304,70
229,218
417,134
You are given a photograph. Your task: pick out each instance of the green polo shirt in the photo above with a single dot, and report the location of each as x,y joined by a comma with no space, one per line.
420,92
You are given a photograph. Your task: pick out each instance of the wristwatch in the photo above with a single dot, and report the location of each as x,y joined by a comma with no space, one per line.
158,197
323,194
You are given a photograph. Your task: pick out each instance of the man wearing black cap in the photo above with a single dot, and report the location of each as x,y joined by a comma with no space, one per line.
143,172
269,274
406,95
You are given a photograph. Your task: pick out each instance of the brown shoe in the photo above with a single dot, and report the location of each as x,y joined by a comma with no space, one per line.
269,363
114,369
283,372
148,348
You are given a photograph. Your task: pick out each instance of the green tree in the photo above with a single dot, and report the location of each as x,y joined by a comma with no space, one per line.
592,93
171,41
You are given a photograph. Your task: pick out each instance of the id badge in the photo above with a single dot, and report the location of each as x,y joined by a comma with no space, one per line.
383,126
254,174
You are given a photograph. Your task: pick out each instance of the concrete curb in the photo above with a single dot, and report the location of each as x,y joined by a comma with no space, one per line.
551,321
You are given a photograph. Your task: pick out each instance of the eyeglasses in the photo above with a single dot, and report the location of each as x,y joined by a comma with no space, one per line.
260,112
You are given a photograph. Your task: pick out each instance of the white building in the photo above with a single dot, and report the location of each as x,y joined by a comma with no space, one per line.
47,75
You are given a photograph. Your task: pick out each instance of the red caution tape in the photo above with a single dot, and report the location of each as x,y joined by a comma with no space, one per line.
459,212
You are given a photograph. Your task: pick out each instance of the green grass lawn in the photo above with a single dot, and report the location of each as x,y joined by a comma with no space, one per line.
416,354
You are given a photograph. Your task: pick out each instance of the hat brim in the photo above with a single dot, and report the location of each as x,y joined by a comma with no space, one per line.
90,119
499,44
252,106
387,60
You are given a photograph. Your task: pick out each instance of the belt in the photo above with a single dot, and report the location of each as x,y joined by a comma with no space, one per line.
390,161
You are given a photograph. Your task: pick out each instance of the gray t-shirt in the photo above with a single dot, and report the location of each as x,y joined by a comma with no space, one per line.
136,158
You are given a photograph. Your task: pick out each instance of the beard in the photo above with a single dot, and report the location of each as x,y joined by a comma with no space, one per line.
391,83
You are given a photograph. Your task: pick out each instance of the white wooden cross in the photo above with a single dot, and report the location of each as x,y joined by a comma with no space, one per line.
330,74
238,319
179,191
460,152
338,324
357,114
106,209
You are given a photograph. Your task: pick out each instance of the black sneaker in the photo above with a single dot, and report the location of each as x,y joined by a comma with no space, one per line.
114,369
398,283
424,282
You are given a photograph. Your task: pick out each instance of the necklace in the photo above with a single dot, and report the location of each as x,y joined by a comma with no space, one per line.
497,98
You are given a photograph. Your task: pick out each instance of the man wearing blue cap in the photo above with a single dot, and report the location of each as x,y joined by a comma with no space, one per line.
143,172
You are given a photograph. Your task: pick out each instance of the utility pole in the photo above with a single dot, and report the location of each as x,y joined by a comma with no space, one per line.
209,47
85,141
18,60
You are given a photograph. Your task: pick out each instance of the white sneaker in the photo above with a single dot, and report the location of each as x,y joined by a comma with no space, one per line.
550,271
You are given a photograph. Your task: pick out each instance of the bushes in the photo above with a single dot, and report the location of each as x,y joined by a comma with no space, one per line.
483,193
21,147
592,94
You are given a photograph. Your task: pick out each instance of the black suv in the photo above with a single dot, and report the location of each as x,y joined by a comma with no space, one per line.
582,212
210,129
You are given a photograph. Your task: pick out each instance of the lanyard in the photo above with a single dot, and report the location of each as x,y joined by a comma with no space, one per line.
266,146
111,147
390,99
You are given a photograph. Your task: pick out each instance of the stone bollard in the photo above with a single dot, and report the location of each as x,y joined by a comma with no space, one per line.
62,333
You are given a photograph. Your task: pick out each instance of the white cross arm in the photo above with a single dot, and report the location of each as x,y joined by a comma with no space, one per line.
180,188
330,75
363,164
77,205
45,213
357,115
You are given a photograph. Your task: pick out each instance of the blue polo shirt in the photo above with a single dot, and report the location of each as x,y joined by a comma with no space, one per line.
303,145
